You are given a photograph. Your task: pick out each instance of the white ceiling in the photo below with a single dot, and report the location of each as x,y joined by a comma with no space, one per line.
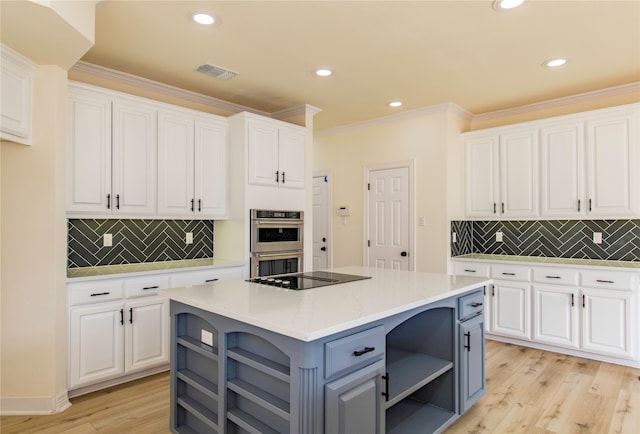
421,52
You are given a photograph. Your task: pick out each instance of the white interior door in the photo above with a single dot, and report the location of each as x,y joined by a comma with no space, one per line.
320,194
389,218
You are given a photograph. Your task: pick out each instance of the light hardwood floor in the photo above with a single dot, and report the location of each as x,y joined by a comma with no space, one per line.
528,391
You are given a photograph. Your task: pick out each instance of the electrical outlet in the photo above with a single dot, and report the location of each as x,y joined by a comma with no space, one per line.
107,240
206,337
499,237
189,238
597,237
422,221
454,237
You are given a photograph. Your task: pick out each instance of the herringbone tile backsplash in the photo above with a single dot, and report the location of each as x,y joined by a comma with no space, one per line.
136,241
550,238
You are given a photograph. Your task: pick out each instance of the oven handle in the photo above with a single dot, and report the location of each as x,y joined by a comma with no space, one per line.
279,223
277,254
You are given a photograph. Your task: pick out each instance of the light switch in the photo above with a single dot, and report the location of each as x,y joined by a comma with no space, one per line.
107,240
454,237
597,237
499,237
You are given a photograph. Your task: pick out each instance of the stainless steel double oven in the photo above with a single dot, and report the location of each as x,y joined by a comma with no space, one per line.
276,242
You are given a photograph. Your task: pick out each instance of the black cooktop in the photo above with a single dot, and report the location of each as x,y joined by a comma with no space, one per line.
311,279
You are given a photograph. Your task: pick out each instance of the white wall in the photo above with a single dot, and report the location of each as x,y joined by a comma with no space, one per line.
33,232
424,136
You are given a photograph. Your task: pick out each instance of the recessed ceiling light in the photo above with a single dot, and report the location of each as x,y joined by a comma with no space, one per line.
395,104
502,5
324,72
554,63
204,19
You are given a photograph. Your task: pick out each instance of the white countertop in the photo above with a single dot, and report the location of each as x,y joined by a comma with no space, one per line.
314,313
539,260
131,270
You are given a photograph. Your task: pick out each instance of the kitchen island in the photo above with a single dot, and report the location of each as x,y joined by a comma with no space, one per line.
401,352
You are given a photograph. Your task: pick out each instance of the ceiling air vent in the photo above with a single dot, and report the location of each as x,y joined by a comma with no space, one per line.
216,71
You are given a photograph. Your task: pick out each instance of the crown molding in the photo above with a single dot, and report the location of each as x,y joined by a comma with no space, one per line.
559,102
409,114
296,111
164,89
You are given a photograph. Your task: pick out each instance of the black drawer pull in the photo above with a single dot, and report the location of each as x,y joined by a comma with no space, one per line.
553,277
386,386
468,346
130,315
604,281
365,351
151,287
476,304
470,271
96,294
210,280
508,274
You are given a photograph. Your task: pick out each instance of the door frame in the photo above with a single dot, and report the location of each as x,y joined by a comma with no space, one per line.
329,175
368,168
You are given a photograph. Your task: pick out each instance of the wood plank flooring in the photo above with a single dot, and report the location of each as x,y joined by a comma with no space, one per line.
528,391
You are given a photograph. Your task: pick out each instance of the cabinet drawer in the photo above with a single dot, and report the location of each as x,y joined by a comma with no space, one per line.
555,276
207,276
350,351
608,279
471,269
95,292
510,272
470,304
143,286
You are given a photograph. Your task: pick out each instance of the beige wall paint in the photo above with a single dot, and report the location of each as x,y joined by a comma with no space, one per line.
422,137
33,233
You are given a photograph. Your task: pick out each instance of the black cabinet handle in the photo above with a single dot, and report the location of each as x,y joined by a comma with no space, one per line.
109,201
494,207
589,204
470,271
210,280
552,277
130,315
493,291
283,177
192,201
150,287
277,176
476,304
121,316
502,207
386,386
117,201
508,274
199,205
468,346
96,294
364,351
583,300
604,281
578,204
572,300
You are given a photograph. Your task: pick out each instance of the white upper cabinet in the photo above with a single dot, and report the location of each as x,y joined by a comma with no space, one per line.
613,162
191,165
276,154
16,80
111,155
519,173
562,170
578,166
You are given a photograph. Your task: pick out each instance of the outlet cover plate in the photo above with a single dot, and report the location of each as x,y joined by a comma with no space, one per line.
597,237
206,337
107,240
499,237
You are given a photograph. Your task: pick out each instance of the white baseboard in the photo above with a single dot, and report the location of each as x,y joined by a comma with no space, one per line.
33,405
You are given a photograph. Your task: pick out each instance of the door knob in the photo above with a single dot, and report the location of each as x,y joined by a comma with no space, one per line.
403,254
324,249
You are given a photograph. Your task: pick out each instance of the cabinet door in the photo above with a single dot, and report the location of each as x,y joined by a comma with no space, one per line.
175,164
472,370
554,315
510,309
263,153
612,164
353,404
210,168
16,82
95,343
518,173
291,162
88,153
147,333
606,321
562,162
482,195
134,158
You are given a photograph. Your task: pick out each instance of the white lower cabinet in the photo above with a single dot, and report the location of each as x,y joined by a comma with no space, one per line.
593,312
146,335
